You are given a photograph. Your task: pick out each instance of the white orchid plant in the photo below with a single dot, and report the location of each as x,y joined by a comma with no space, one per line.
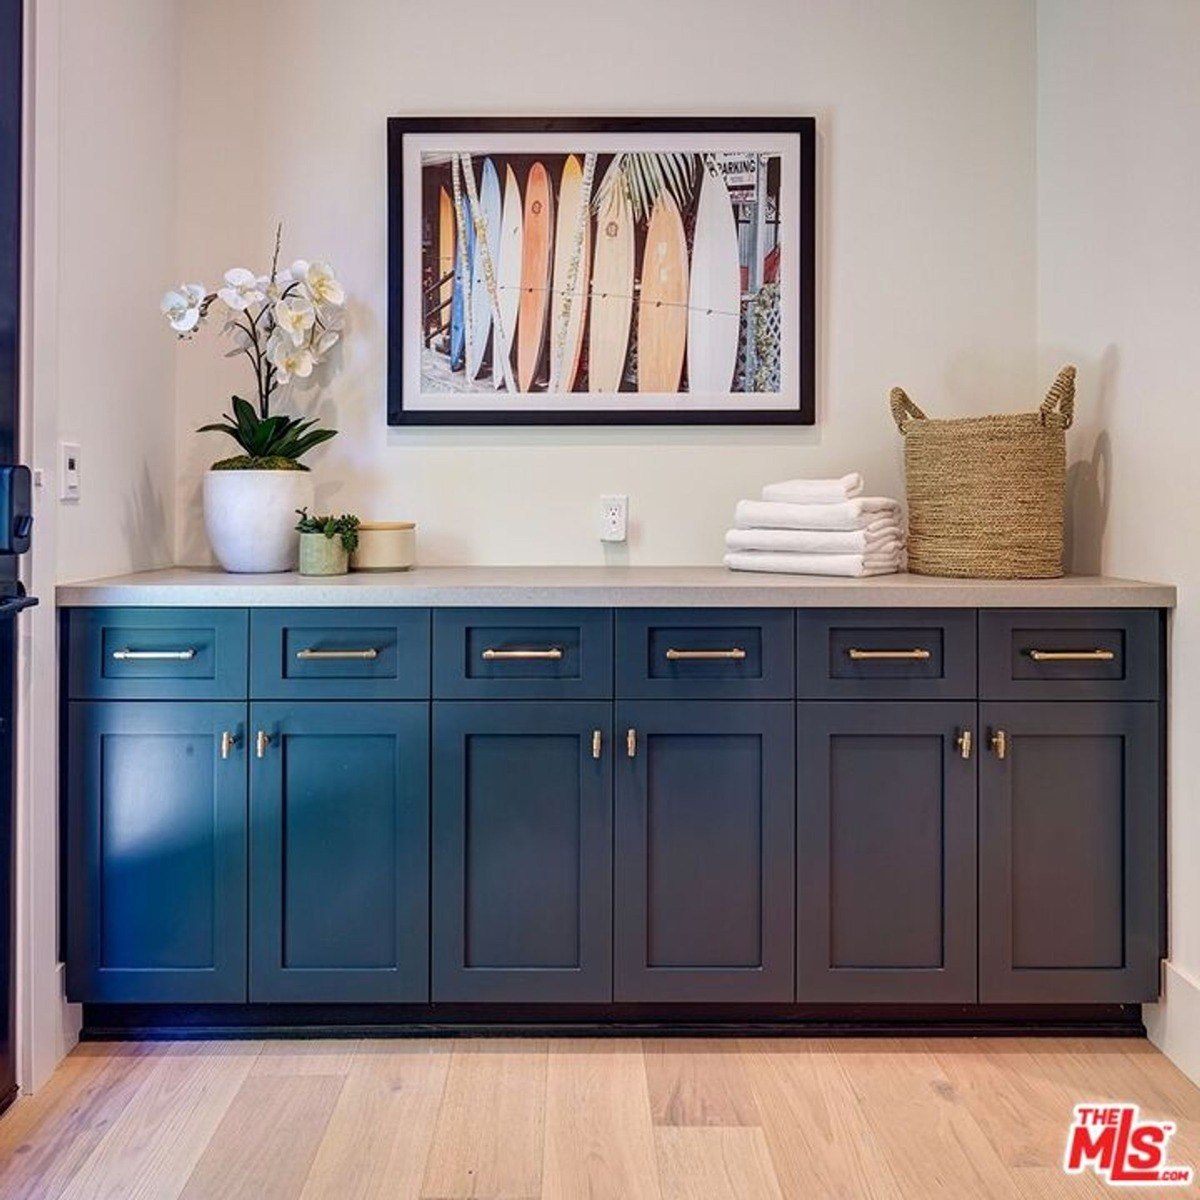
285,323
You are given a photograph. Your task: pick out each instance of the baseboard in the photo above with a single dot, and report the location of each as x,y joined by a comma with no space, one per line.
127,1022
1173,1024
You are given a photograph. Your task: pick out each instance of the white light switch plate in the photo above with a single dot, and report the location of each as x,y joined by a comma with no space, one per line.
68,471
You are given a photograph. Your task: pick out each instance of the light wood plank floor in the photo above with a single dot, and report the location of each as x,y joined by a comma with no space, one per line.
500,1119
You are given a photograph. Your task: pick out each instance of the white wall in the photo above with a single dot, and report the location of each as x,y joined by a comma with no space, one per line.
118,73
101,92
1119,293
927,273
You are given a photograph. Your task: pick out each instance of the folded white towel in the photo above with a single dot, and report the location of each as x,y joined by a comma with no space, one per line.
815,491
852,565
850,514
883,536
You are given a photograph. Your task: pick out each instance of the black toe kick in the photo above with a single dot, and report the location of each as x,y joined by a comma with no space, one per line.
164,1022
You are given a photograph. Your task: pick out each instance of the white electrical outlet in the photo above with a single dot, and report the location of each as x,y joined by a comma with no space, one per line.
68,471
614,516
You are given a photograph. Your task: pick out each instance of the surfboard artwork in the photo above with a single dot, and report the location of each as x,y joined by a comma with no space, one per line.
572,255
599,269
508,268
487,226
612,294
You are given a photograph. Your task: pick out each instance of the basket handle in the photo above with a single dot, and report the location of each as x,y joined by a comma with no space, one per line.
903,409
1061,396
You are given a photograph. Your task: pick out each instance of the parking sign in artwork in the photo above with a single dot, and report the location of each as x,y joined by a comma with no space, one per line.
585,272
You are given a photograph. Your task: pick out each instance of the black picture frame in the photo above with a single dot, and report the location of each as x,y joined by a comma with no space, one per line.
804,128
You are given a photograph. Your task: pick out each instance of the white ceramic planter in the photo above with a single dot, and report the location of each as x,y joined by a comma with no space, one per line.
251,518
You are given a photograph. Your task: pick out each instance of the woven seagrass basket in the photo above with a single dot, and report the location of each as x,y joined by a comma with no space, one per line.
985,494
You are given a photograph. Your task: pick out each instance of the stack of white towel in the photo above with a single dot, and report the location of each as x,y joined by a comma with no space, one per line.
817,527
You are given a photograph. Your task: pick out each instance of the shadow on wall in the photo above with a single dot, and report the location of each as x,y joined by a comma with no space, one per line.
1089,480
145,526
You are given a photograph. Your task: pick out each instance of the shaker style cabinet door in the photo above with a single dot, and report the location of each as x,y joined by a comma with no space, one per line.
886,852
156,849
339,851
705,872
1070,811
522,850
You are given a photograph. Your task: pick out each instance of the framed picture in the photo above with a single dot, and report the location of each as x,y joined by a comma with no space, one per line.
601,271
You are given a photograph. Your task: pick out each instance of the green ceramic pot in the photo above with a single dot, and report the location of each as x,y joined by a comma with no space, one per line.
321,555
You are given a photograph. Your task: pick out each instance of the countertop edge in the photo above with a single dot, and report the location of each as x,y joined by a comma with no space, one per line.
719,590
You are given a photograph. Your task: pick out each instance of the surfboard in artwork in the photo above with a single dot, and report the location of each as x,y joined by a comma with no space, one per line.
464,264
612,294
714,291
508,268
481,292
662,306
536,244
572,258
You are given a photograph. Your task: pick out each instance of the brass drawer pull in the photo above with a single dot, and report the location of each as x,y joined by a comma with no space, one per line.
155,655
736,653
963,742
631,743
262,740
1071,655
228,741
916,655
553,653
597,743
332,655
999,742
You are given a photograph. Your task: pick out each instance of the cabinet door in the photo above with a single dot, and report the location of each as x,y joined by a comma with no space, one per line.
156,848
339,851
705,868
1069,829
886,852
522,850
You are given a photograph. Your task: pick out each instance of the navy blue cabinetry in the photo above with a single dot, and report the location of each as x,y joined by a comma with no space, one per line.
156,851
522,850
705,870
623,810
339,851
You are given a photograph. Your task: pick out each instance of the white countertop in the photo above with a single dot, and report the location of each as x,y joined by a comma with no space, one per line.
602,587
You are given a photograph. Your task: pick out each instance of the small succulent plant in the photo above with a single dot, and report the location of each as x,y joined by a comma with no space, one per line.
345,527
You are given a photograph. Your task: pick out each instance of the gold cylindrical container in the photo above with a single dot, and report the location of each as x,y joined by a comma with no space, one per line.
385,546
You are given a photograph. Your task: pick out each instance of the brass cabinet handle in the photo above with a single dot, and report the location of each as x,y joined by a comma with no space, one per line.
999,743
734,652
631,743
326,655
552,652
1071,655
127,655
228,741
914,655
597,743
963,742
262,740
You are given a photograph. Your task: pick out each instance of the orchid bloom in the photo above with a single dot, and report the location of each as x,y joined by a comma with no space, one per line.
289,359
241,289
184,308
322,285
295,316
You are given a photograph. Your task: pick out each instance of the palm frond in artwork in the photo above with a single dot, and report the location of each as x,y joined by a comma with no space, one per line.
645,176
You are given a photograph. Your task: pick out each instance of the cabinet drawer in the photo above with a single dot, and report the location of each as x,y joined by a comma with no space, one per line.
678,654
915,654
328,654
156,654
521,653
1048,654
